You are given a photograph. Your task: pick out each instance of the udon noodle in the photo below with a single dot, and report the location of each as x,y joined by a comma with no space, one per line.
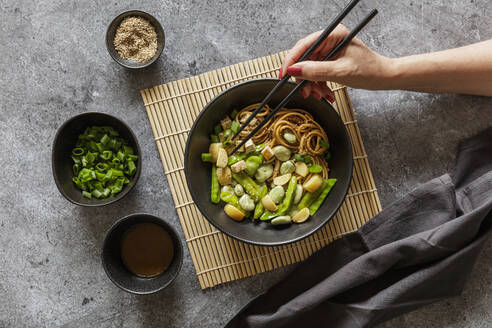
309,134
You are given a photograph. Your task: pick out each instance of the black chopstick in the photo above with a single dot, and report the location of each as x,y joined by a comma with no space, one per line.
298,87
315,45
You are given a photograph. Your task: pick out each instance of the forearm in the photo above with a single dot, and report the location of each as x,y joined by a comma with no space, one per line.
462,70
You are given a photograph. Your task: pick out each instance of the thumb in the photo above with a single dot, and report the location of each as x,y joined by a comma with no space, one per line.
312,70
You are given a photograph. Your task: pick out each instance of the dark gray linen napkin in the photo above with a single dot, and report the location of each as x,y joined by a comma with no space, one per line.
417,251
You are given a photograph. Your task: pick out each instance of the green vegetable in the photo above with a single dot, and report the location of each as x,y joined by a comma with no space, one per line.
102,162
215,189
86,194
227,133
214,138
327,155
228,143
284,206
217,129
249,185
206,157
252,164
310,197
284,219
230,198
234,114
235,126
259,148
259,206
317,203
303,158
324,144
235,158
315,168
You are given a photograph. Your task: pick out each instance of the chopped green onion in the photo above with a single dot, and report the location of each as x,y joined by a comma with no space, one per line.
235,126
324,144
206,157
227,133
104,140
214,138
217,129
102,162
299,158
86,194
315,168
308,159
234,114
228,143
78,151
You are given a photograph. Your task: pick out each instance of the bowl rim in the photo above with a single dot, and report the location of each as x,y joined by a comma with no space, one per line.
125,191
167,227
203,212
140,13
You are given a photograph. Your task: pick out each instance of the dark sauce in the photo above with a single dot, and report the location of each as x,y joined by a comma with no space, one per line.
147,249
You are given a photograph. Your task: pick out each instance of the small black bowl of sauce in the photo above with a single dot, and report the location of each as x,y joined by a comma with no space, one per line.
142,254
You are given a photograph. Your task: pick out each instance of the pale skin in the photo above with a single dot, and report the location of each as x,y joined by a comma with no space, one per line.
465,70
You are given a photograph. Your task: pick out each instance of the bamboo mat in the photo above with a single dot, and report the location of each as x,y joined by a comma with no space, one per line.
217,258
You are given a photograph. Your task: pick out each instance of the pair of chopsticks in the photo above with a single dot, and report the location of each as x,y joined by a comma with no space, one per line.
315,45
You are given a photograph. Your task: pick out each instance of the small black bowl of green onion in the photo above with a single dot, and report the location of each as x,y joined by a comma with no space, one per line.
96,159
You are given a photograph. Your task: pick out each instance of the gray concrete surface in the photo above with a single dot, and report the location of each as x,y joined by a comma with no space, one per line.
53,65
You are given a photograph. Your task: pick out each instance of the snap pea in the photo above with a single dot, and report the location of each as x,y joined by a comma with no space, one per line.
230,198
235,158
310,197
248,184
284,206
206,157
259,209
289,195
215,189
284,219
317,203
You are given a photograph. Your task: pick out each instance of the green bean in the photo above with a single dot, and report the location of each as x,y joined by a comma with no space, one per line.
248,184
259,209
317,203
215,189
206,157
310,197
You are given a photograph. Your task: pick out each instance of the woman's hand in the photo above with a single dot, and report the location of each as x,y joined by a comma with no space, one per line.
356,65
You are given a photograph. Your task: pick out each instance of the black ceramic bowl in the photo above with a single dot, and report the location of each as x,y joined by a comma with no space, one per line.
113,26
198,173
116,269
61,161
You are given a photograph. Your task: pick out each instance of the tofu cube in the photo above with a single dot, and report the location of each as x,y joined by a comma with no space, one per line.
238,167
249,146
226,123
267,152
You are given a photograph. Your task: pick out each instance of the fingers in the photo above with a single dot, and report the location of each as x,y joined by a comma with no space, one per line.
299,48
313,70
326,91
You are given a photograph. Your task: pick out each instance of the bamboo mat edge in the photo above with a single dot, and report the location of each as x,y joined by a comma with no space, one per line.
172,108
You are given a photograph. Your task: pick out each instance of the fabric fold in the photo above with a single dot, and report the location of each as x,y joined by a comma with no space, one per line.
417,251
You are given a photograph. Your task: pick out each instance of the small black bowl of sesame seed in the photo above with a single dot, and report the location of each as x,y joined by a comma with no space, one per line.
135,39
